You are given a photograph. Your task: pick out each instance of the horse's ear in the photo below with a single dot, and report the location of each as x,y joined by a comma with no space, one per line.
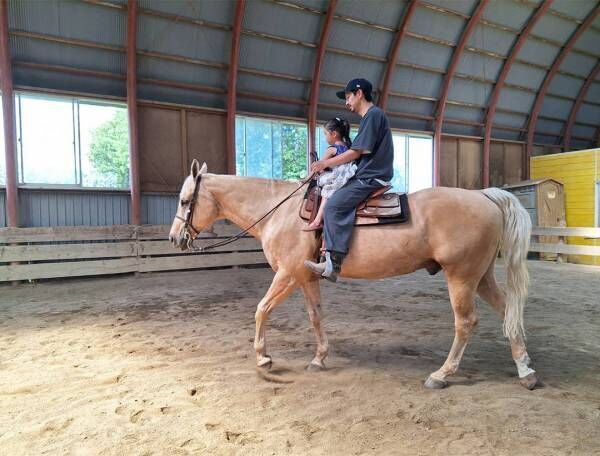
195,168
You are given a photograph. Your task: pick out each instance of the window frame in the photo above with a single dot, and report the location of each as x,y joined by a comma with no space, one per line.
75,101
272,121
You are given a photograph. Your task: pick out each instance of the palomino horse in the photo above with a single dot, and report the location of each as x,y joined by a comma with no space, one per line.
457,230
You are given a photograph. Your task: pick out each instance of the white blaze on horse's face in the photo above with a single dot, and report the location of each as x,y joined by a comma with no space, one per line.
185,196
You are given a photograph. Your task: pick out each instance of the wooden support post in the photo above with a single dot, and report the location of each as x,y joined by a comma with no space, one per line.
134,152
8,110
232,85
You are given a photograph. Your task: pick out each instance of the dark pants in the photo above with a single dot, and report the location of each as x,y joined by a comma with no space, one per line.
340,212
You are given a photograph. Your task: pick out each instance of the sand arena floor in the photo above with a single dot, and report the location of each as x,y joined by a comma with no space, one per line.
163,364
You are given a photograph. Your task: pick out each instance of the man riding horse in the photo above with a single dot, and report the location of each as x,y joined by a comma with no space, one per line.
457,230
373,149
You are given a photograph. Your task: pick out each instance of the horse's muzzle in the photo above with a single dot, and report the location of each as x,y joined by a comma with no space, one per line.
177,241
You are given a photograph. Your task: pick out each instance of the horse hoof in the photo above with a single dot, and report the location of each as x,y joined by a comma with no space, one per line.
265,364
313,367
530,382
433,383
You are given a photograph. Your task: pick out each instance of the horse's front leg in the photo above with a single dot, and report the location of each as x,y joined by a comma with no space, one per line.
312,295
281,287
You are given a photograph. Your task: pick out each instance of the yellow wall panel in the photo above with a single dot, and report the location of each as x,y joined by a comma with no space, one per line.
579,172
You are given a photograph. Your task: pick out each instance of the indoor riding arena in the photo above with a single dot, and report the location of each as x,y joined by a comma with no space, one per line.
167,283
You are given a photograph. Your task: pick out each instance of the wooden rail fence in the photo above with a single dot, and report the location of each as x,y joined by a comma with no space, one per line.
561,248
42,253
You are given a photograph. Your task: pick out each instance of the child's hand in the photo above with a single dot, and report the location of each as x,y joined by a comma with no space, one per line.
318,166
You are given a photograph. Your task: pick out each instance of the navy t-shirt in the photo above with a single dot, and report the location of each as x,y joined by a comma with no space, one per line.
374,140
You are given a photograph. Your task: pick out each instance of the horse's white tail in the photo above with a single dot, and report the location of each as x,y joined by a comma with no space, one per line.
513,247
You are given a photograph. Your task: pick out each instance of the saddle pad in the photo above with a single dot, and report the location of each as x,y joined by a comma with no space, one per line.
383,211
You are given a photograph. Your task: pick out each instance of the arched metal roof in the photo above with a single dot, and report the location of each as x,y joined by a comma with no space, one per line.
536,73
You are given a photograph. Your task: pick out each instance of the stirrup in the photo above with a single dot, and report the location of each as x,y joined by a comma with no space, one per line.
332,268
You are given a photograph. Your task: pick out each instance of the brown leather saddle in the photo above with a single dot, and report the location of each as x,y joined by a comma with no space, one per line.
380,208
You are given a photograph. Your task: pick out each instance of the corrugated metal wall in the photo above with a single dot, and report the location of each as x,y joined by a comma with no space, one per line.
158,209
93,208
72,208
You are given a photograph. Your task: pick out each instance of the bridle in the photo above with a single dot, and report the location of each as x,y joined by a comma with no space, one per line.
188,226
190,233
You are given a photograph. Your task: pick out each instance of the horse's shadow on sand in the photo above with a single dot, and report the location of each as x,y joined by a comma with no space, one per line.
488,361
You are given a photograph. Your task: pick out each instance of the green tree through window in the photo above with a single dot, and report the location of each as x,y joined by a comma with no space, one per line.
109,149
271,149
293,151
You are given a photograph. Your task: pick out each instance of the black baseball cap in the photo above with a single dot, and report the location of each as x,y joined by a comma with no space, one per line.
355,84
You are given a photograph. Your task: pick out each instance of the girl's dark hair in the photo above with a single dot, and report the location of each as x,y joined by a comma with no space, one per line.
342,126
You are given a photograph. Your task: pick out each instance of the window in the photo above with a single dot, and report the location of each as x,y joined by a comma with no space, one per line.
270,148
413,159
68,141
413,162
322,143
420,162
104,145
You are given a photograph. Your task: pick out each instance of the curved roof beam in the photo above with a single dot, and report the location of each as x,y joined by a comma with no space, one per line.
391,65
443,98
493,103
315,85
575,109
132,111
232,84
537,106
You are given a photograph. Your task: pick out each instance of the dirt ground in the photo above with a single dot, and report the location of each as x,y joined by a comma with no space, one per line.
163,364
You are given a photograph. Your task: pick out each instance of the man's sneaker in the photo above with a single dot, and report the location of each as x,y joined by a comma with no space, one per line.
328,269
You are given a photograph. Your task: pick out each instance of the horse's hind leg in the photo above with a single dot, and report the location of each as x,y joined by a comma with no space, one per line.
281,287
312,295
462,298
490,291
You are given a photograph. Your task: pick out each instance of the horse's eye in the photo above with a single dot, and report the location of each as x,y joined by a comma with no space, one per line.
183,202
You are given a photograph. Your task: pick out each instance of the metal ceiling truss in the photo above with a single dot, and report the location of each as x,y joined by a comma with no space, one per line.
378,27
575,109
314,88
393,56
508,63
222,66
391,62
232,84
441,106
537,106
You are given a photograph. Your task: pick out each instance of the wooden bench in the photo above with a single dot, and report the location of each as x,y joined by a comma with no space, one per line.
43,253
